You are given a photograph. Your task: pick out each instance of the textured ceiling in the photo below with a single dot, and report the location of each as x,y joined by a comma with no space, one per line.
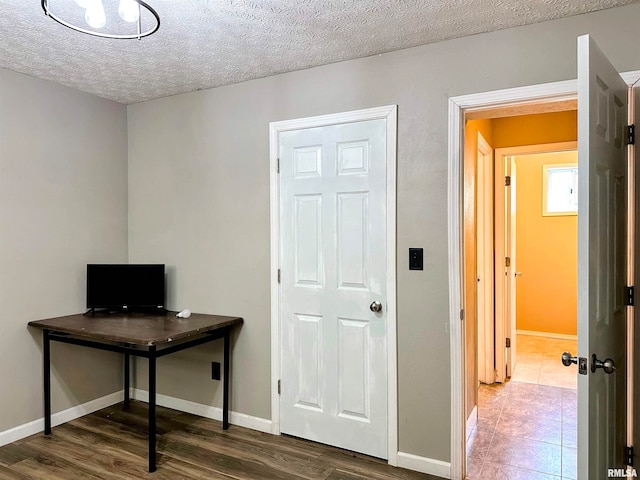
208,43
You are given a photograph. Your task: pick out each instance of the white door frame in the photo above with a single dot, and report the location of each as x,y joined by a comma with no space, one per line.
458,106
388,113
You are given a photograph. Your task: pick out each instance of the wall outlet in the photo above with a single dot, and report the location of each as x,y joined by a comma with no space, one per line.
215,370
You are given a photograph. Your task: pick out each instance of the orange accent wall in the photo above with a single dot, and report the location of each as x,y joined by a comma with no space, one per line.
546,253
535,129
484,126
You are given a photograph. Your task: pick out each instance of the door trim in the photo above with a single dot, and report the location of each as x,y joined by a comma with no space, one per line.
458,106
388,113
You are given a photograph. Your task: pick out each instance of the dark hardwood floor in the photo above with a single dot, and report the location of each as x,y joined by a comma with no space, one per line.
112,444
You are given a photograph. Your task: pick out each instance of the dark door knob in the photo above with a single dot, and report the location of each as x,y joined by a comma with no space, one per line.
607,365
567,359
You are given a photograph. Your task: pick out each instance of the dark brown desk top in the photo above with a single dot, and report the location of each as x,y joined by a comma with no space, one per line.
137,329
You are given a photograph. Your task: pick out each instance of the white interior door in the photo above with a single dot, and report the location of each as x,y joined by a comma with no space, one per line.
602,120
512,273
501,249
484,263
333,262
505,214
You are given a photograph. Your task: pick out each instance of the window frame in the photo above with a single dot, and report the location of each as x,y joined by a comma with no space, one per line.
545,188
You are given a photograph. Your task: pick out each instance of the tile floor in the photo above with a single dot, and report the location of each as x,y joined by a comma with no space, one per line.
526,428
538,361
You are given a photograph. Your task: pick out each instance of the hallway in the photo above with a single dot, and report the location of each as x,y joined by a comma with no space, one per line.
526,427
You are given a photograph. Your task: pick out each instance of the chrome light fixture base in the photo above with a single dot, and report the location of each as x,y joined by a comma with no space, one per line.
138,34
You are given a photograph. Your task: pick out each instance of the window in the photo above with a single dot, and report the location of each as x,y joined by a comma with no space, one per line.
560,189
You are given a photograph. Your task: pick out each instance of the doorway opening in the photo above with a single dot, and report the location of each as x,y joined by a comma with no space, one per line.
592,430
520,281
535,249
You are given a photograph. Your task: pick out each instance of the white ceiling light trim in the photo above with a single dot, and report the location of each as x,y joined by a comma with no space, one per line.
129,11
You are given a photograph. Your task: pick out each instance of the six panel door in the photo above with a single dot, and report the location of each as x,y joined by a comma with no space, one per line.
333,262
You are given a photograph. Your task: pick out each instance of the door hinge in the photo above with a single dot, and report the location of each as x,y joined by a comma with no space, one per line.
278,166
629,296
461,315
631,134
507,261
279,275
507,181
507,342
628,456
279,390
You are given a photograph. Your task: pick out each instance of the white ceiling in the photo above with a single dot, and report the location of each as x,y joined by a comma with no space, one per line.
208,43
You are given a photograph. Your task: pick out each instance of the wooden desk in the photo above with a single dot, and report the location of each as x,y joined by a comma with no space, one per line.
147,336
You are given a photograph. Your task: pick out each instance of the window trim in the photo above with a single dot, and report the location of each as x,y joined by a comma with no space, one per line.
545,187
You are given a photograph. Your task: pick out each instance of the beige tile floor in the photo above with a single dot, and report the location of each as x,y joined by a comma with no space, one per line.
526,428
538,361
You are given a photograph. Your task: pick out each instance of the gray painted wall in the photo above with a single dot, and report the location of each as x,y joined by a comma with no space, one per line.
63,203
199,197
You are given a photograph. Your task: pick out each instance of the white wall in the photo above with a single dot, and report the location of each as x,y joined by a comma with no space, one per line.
63,204
199,197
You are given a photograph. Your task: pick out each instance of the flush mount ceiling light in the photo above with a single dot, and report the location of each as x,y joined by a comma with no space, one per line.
123,19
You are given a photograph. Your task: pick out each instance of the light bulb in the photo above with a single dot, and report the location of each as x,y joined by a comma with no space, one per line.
129,10
95,15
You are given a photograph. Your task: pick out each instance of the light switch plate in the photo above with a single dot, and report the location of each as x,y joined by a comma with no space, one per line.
415,259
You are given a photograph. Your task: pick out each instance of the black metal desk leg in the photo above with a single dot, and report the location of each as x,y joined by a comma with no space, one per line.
127,380
46,354
152,409
225,388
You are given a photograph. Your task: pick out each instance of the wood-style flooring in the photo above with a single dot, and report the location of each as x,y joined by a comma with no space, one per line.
112,444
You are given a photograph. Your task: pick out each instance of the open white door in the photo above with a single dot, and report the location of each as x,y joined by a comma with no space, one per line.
505,271
484,265
511,273
602,188
502,262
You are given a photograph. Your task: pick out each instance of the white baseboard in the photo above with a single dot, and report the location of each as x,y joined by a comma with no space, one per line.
207,411
560,336
424,465
36,426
